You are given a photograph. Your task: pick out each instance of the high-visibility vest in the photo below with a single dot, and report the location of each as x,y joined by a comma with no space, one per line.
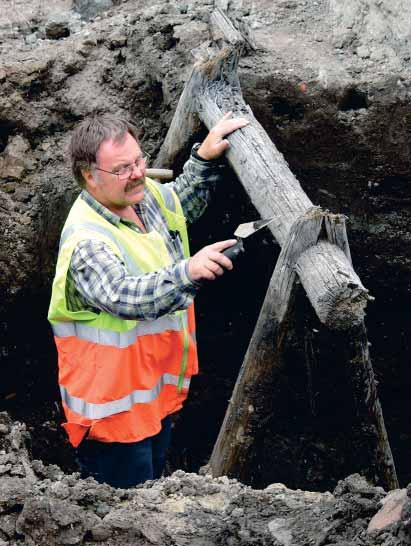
119,378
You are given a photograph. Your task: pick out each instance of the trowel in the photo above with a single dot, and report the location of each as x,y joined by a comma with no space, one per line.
242,232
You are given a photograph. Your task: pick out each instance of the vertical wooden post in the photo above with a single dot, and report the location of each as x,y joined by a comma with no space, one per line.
368,406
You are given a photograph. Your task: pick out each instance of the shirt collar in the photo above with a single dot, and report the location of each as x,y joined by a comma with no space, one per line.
114,219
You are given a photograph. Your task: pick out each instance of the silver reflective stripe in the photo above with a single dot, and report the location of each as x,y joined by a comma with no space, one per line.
116,339
167,196
89,226
99,411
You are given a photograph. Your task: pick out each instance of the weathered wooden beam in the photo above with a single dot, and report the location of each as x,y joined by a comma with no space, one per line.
332,286
184,125
368,408
223,31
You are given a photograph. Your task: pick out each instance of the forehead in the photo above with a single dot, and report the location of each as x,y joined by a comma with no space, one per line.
122,151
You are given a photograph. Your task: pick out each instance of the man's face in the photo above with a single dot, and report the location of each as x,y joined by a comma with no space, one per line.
112,191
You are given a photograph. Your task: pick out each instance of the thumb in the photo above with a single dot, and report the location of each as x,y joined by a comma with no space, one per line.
222,146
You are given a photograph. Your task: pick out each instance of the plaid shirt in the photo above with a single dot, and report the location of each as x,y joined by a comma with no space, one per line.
99,280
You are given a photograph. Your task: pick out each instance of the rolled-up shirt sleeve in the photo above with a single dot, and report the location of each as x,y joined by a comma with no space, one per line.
103,280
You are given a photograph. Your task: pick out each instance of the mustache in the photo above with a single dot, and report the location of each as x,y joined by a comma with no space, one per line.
134,183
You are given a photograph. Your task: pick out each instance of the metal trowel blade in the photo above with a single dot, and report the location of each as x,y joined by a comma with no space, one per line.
245,230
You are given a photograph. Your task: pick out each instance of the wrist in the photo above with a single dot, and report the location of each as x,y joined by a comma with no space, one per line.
198,153
214,161
194,282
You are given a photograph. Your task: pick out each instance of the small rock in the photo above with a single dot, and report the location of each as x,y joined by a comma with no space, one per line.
17,147
8,524
279,528
31,39
23,195
390,512
57,29
18,471
102,509
4,468
14,159
90,39
4,429
363,52
88,9
117,39
10,168
101,532
377,54
60,490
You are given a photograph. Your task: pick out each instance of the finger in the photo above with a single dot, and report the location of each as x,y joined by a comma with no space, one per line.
226,262
222,245
208,274
221,260
241,122
227,115
233,124
237,121
214,268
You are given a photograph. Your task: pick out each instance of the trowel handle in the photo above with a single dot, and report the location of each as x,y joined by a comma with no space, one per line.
234,251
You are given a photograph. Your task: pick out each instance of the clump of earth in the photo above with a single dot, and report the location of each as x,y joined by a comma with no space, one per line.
39,504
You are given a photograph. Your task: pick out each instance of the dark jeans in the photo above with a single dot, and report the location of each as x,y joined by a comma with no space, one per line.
125,465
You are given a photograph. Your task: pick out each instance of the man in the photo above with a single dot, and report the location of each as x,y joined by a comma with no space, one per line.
122,300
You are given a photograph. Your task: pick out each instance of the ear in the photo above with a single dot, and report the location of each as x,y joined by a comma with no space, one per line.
91,182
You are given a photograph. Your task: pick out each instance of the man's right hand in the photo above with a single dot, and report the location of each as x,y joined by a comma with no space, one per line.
209,262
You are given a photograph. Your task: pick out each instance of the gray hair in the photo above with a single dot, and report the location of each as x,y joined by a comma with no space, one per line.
88,137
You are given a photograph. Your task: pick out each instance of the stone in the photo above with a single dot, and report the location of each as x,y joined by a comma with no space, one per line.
88,9
17,147
4,429
390,512
101,532
117,39
57,28
14,160
8,524
363,52
280,530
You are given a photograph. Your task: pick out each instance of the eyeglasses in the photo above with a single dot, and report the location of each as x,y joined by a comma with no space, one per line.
125,172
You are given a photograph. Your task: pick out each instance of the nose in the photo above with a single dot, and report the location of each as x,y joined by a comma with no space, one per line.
138,170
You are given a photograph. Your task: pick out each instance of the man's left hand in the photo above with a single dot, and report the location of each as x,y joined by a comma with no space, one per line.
215,144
